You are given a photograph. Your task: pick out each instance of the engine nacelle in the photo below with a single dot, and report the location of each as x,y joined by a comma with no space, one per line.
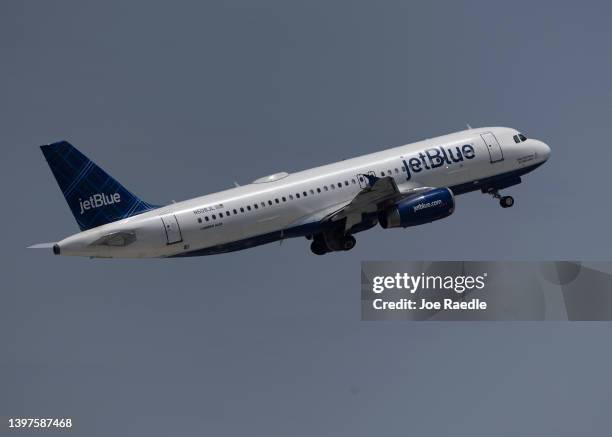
431,205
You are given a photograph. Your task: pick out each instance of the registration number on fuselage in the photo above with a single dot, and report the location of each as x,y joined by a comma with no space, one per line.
207,209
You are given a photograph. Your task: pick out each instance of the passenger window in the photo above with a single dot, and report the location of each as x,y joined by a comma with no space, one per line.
339,184
332,186
311,191
206,218
325,187
297,195
318,190
382,173
353,181
263,204
276,200
235,212
199,219
305,194
396,171
241,209
214,217
248,207
255,205
270,202
284,199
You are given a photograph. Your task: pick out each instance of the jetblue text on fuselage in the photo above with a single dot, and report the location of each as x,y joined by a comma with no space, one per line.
436,157
98,200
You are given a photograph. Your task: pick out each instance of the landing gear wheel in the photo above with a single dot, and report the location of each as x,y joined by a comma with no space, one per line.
506,201
318,248
349,242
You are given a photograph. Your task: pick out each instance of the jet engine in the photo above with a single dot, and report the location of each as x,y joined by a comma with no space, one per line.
426,207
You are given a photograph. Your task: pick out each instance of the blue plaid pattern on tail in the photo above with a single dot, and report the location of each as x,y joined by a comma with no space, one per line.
94,197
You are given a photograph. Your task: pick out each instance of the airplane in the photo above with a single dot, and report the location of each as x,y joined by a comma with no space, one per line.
400,187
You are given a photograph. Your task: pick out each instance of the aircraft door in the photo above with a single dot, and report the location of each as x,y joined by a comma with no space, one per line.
495,151
172,229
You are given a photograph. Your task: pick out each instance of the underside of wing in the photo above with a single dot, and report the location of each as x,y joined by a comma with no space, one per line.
377,196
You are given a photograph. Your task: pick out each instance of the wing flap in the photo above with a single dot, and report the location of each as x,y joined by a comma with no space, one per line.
379,194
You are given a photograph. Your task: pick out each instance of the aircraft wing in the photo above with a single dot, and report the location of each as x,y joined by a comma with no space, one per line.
319,216
378,195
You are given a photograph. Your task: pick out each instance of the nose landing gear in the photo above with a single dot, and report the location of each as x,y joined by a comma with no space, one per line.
504,201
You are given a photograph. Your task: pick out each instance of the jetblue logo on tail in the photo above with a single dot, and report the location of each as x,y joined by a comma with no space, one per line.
98,200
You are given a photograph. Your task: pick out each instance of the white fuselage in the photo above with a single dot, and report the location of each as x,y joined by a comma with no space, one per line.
284,202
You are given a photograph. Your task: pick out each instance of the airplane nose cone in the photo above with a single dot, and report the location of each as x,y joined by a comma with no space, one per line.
543,150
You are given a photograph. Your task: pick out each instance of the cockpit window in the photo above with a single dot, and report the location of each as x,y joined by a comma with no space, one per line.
519,138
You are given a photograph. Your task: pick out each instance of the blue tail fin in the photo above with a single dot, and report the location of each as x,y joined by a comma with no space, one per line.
94,197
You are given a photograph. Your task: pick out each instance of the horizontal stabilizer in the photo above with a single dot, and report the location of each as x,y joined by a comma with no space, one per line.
116,239
41,246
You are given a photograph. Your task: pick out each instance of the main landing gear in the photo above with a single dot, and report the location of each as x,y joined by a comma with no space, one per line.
348,242
504,201
321,245
318,248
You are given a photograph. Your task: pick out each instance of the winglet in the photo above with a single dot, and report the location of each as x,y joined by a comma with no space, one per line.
372,179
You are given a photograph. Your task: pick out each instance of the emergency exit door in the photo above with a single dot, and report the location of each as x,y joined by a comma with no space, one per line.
171,226
495,151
